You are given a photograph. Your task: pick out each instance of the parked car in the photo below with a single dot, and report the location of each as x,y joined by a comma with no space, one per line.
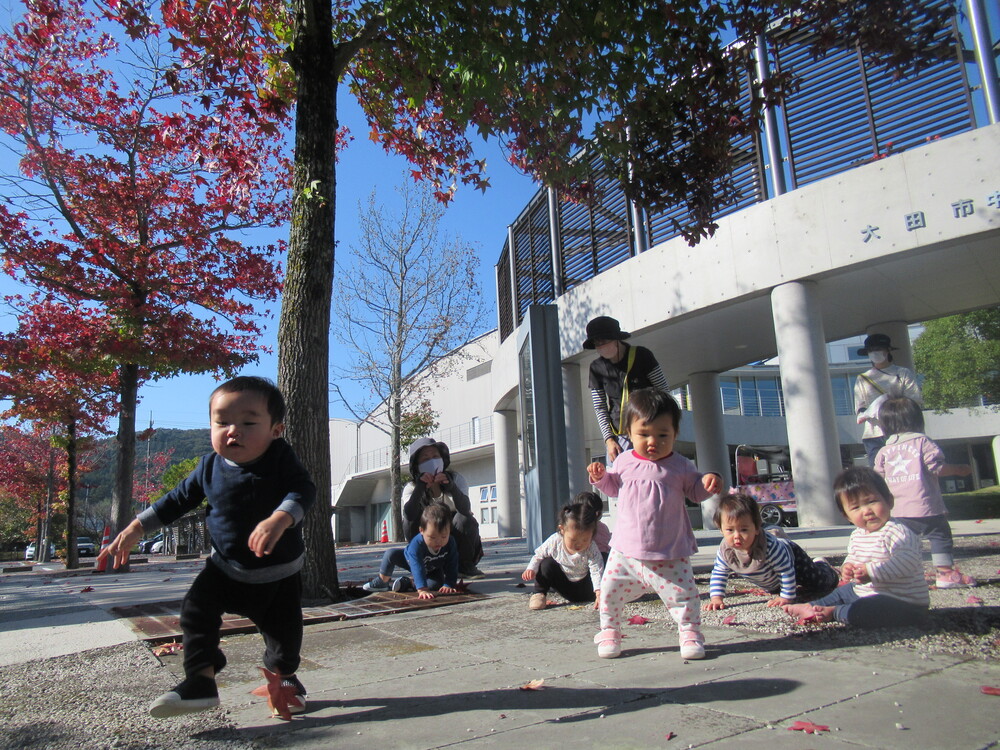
157,547
85,547
146,545
29,554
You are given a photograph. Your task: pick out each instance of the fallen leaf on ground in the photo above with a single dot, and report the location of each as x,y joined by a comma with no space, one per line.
637,620
168,648
974,600
729,620
989,690
533,685
980,520
575,606
86,589
165,580
757,592
670,735
279,696
519,586
808,727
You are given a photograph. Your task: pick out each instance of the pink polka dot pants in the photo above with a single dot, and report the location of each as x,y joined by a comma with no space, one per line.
626,579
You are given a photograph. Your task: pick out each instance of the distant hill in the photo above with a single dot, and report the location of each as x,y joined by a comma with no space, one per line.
185,444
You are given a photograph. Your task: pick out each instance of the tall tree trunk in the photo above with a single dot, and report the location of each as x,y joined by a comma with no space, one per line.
121,494
72,553
395,481
304,326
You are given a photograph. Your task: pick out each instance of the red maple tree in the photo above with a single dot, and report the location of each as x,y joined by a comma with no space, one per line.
139,175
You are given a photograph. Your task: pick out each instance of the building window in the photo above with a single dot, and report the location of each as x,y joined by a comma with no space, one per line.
730,395
748,395
772,400
488,503
843,394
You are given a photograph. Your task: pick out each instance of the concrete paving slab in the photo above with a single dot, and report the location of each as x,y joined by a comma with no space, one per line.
69,633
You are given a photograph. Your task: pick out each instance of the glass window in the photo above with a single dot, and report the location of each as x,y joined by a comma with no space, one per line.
748,394
771,401
730,395
843,394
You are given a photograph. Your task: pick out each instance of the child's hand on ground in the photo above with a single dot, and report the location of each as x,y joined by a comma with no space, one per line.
712,483
268,532
425,594
779,601
597,599
596,471
447,590
715,603
121,547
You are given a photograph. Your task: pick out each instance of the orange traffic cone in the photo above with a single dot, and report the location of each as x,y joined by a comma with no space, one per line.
385,531
102,565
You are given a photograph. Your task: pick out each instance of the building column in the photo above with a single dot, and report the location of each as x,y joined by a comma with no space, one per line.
809,415
576,451
508,480
899,333
709,435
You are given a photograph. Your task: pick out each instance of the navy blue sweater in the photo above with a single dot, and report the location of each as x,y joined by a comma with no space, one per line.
239,498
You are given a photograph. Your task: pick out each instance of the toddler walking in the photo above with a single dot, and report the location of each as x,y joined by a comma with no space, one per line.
911,464
563,561
884,582
653,538
779,566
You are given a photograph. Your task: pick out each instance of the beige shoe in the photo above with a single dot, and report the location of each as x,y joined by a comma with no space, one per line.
537,601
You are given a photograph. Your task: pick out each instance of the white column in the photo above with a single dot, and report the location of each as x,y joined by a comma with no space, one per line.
899,333
809,415
709,435
505,462
576,453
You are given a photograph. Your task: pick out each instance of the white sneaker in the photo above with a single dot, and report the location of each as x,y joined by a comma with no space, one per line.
692,649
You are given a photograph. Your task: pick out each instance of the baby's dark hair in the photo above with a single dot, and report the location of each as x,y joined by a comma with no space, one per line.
737,506
649,403
262,386
437,515
854,480
593,500
581,515
901,414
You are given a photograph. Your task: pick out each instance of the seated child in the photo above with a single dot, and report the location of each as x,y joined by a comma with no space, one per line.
779,566
602,534
911,463
883,571
431,557
564,559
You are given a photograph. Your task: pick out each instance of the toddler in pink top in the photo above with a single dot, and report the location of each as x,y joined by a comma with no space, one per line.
653,538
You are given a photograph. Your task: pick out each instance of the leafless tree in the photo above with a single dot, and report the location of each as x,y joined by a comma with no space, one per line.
406,296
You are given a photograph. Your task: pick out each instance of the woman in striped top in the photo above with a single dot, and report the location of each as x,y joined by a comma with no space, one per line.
883,572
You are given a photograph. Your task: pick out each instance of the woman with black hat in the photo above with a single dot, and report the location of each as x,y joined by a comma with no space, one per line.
432,482
620,369
882,379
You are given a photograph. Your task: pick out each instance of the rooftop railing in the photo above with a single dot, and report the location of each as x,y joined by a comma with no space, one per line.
846,112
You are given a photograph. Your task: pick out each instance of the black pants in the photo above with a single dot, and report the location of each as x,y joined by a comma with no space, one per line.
550,575
465,529
275,608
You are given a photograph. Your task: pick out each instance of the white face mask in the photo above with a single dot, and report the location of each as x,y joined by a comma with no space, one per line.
609,350
877,357
432,466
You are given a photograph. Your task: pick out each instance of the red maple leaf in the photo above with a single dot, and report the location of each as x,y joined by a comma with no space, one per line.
989,690
974,600
533,685
808,727
86,589
729,620
637,620
279,696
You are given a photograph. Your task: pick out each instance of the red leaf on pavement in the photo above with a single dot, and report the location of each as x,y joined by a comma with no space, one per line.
808,727
670,735
86,589
757,592
637,620
989,690
974,600
980,520
168,648
279,696
533,685
729,620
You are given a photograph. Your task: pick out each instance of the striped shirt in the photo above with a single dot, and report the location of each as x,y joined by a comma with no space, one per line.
776,570
574,565
891,555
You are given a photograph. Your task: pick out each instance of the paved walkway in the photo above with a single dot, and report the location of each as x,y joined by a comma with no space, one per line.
453,676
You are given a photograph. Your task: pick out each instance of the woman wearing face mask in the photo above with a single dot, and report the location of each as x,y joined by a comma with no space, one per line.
620,369
883,379
431,482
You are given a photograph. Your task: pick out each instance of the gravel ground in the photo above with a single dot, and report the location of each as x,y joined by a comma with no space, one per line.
98,699
958,626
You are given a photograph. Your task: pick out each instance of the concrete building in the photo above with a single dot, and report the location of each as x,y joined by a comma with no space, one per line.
869,205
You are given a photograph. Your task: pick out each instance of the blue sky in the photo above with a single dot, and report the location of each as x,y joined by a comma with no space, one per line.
479,219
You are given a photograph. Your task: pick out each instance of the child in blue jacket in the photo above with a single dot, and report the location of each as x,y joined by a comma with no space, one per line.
431,557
